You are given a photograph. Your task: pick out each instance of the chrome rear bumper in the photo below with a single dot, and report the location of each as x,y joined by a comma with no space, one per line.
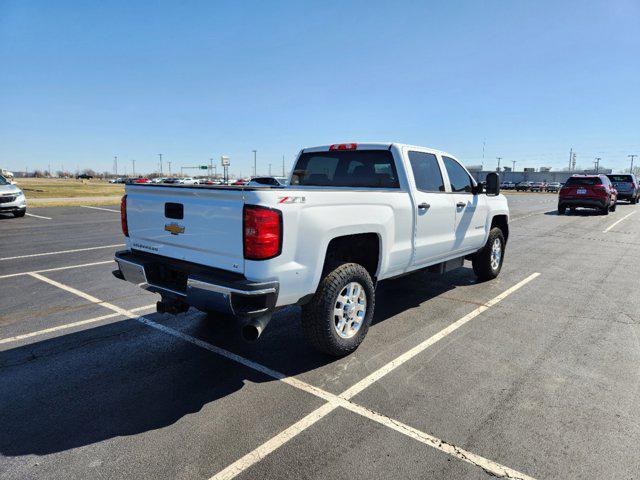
206,289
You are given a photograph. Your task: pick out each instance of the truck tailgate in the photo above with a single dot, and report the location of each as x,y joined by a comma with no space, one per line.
199,225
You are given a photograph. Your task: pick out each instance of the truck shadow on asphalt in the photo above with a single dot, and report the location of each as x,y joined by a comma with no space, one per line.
125,378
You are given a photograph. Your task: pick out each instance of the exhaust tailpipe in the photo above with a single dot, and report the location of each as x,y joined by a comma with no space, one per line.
252,330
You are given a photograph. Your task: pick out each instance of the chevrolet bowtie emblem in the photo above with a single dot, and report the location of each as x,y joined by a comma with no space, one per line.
174,228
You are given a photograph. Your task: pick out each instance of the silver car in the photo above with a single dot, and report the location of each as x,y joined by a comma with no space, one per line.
12,199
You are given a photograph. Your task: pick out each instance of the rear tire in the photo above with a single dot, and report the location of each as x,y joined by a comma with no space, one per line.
605,211
335,308
612,208
561,209
487,262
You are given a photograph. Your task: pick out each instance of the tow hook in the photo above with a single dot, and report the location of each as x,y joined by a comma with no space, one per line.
173,307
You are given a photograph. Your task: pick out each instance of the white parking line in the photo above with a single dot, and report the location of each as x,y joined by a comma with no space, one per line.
381,372
37,216
63,251
333,401
57,269
616,223
101,208
67,326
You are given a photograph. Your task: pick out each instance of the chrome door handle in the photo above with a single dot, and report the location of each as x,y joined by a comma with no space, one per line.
460,204
423,206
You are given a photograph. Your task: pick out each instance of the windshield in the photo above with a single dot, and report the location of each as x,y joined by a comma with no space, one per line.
4,181
352,168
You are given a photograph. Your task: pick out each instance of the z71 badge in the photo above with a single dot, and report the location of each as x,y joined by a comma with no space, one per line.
291,200
174,228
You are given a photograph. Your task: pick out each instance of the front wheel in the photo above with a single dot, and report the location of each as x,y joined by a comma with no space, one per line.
487,262
338,316
612,208
20,213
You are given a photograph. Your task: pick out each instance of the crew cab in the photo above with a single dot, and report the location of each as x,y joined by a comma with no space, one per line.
350,216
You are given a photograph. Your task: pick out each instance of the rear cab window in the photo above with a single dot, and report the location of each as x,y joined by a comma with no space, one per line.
346,168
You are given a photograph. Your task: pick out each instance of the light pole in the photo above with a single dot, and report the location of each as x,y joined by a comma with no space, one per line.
115,163
283,174
631,167
597,164
160,155
133,167
499,158
255,162
269,169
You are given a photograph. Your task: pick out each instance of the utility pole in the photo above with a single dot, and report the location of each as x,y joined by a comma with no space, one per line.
484,142
570,157
133,167
498,169
255,162
597,164
169,162
513,162
631,167
210,166
269,169
283,174
115,164
160,155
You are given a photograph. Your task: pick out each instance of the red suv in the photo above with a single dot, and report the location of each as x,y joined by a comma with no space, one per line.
589,191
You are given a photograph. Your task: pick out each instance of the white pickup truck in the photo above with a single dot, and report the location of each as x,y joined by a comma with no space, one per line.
351,216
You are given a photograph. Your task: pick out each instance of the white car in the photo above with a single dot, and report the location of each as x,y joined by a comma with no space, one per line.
352,215
188,181
268,181
12,199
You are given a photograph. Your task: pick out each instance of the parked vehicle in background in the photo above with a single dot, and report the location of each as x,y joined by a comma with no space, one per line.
241,181
187,181
171,181
116,180
507,186
554,186
351,215
12,199
84,176
538,186
627,187
587,191
268,181
523,186
130,181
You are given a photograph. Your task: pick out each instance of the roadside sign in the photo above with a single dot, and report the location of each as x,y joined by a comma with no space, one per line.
204,167
224,161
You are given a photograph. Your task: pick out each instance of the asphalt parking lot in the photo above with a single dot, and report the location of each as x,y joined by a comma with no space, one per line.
532,375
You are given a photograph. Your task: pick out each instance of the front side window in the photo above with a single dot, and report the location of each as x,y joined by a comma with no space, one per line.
458,176
426,172
351,168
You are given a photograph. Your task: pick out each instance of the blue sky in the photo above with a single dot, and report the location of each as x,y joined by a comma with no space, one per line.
81,82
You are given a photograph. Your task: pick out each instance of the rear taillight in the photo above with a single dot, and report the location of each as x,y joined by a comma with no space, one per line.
344,146
262,229
123,216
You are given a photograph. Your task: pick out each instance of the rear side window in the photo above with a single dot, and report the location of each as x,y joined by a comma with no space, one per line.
458,176
351,168
583,181
426,172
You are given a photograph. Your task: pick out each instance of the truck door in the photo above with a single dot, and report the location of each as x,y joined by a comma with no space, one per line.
471,210
435,211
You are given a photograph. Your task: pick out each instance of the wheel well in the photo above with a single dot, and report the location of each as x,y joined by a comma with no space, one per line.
362,248
502,223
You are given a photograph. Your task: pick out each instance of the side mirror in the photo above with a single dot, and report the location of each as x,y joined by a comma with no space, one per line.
493,184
